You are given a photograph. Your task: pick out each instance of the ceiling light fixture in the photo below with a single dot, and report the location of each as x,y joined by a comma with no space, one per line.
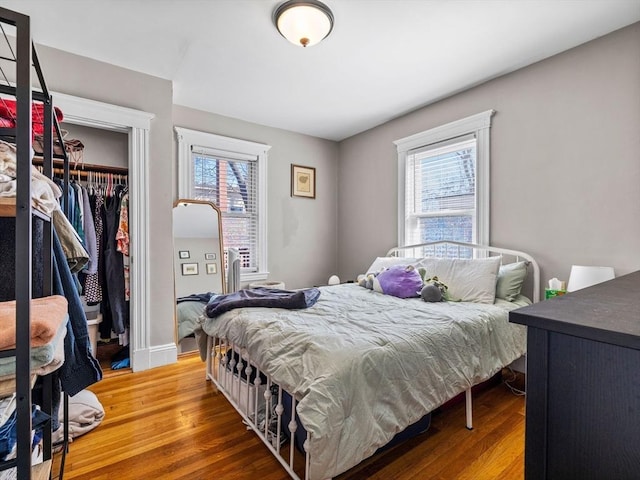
303,22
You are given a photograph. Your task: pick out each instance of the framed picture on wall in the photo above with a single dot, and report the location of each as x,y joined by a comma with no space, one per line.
212,268
209,256
183,254
189,269
303,181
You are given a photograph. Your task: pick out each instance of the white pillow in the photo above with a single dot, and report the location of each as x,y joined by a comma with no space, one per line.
382,263
469,280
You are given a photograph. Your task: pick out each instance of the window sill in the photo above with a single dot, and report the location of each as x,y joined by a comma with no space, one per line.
253,277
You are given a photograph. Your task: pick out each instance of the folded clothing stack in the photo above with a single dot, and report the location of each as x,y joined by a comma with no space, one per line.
8,115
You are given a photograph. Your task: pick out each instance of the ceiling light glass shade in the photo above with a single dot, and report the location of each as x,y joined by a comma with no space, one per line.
303,23
585,276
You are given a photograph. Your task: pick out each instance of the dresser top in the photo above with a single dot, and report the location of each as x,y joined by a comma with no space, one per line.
608,312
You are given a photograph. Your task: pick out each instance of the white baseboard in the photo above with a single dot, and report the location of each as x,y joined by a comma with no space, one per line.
155,356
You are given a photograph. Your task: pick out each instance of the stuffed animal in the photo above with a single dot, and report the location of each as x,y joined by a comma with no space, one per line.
366,281
402,281
434,290
431,293
405,281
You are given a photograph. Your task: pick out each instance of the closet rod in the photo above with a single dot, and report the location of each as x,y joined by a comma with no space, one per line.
86,167
84,174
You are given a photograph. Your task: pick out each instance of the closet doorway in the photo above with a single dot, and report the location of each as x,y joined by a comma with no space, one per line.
135,124
99,175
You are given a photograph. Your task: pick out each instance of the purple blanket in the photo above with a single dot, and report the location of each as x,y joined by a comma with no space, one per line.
262,297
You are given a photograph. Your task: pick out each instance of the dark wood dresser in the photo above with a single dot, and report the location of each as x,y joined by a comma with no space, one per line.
583,383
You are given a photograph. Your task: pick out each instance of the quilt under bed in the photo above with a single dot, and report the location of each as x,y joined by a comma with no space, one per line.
364,365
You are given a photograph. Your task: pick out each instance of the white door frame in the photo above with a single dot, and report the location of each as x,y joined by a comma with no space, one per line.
135,123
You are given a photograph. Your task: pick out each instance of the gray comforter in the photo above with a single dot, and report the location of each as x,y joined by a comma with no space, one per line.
364,365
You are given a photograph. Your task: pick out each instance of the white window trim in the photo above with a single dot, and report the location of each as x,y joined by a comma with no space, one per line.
479,125
192,138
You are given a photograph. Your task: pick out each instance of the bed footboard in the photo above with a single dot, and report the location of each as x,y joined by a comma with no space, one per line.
261,403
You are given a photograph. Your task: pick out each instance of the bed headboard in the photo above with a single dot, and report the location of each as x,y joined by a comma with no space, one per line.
452,249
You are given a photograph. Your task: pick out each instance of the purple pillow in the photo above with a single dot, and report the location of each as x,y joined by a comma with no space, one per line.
401,281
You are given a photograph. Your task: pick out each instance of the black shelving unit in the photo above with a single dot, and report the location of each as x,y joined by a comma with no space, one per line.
20,69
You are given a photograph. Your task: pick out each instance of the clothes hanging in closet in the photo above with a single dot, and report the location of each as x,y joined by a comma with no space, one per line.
114,264
92,285
89,234
99,212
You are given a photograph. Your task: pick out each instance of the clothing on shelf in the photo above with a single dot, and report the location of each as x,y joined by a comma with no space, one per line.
9,434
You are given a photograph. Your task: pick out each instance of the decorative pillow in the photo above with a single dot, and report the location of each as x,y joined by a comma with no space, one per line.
400,281
469,280
510,279
382,263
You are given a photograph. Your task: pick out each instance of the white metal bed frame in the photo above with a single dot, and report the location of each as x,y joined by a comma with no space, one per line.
250,399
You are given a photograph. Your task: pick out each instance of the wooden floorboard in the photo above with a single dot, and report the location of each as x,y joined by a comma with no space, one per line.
169,423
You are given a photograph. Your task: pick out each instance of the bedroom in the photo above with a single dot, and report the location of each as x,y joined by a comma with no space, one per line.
557,192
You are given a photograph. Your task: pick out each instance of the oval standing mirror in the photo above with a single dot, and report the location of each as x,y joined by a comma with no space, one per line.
198,264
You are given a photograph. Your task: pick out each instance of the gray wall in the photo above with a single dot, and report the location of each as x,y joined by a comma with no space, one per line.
203,282
565,167
302,239
101,147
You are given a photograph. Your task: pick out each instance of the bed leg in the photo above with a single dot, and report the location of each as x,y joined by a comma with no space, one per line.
209,373
467,395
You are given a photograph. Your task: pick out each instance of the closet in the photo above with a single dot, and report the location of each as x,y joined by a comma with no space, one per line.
40,310
99,179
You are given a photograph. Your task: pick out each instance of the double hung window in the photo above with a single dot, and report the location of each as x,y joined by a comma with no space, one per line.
230,173
443,177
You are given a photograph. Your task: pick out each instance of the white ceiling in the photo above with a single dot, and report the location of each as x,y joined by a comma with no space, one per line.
383,59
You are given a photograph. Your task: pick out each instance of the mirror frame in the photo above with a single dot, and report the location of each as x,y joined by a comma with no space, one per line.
222,262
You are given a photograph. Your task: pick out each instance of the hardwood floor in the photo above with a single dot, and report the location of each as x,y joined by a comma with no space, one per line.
169,423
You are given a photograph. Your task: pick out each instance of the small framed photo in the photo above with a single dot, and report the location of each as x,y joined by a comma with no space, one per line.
212,268
189,269
184,254
209,256
303,181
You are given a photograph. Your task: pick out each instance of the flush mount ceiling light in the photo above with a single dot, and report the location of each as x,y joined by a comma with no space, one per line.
303,23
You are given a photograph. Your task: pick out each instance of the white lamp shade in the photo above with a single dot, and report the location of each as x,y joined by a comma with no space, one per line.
584,276
304,23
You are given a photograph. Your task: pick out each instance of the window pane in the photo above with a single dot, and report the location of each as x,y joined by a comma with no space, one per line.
441,193
446,181
232,186
459,228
